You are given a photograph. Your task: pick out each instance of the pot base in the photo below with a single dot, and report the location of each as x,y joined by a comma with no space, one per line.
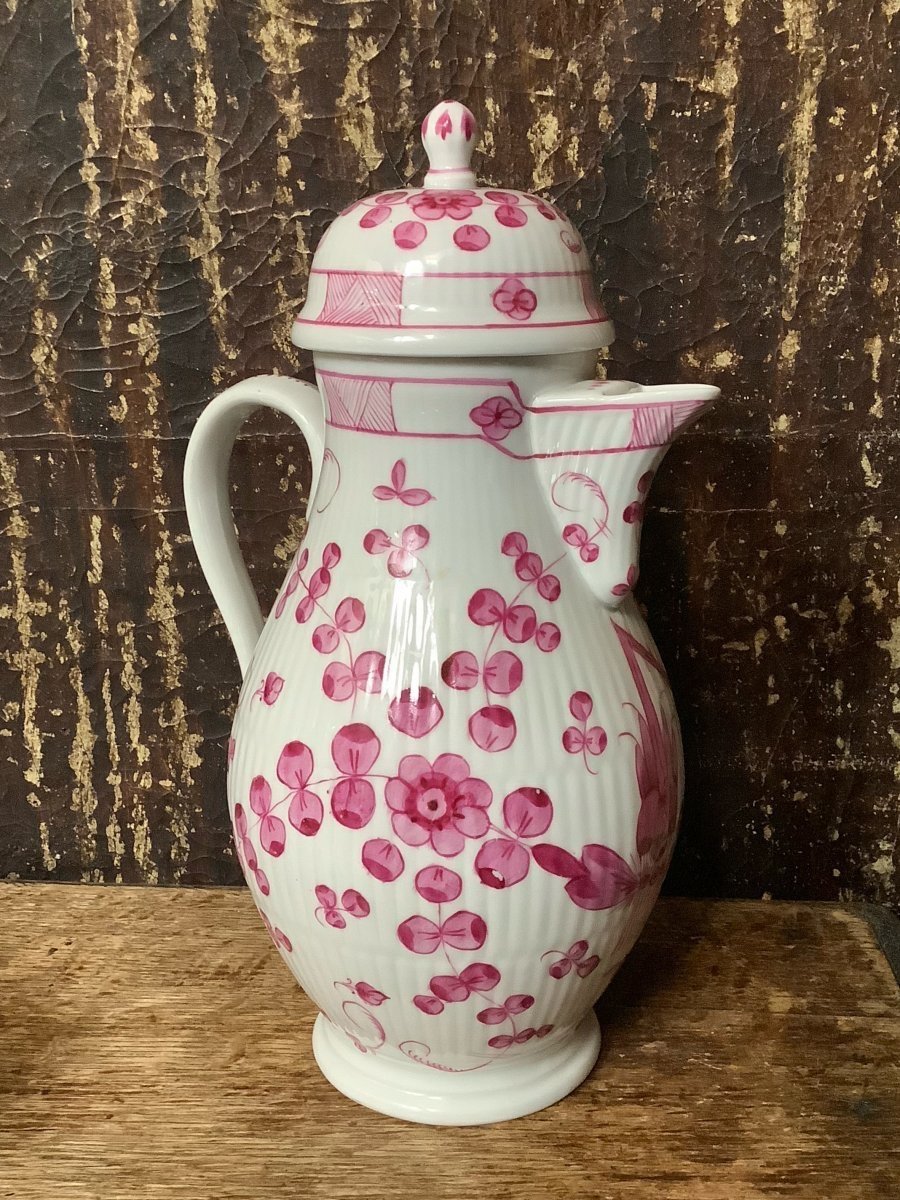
419,1093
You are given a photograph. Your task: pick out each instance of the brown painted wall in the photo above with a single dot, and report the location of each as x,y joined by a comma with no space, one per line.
165,170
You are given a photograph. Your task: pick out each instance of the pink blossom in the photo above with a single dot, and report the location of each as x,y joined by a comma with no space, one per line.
497,417
461,931
270,689
573,959
402,556
514,299
330,912
438,804
398,490
432,205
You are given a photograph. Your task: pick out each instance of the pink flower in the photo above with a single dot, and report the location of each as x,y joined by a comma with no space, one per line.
281,940
496,417
437,803
398,490
433,205
572,959
331,913
514,299
270,689
402,557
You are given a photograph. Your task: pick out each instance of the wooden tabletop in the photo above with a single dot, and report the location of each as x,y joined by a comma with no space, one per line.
153,1045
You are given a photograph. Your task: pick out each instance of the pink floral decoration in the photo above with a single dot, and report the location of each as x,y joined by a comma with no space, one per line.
402,556
514,299
443,126
461,931
504,1040
581,739
281,940
511,215
414,497
342,682
331,913
293,581
369,995
438,804
438,885
511,1007
247,851
432,205
492,728
271,828
573,959
295,768
355,749
415,713
497,417
270,689
374,216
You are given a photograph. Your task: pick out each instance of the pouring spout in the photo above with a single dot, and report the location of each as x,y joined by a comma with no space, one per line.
596,447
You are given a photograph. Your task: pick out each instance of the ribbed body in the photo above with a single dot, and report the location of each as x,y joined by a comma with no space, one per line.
494,751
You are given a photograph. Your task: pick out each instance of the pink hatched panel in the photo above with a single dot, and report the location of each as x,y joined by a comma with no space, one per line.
652,425
357,298
357,402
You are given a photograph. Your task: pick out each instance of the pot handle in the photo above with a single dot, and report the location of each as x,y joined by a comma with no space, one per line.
206,491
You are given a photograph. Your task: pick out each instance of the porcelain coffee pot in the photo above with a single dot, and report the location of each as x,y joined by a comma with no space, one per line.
455,771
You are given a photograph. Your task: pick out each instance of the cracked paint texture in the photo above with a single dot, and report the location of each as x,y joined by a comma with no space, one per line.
166,169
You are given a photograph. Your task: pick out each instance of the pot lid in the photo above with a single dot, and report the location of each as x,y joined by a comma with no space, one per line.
451,268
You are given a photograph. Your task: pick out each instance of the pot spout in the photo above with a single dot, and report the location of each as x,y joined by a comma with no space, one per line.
596,447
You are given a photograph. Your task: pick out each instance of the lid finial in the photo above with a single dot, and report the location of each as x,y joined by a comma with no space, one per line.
449,134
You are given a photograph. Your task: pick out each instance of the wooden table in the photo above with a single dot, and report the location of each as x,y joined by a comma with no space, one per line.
153,1045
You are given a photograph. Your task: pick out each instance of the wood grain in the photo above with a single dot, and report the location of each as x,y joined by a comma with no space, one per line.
167,167
153,1045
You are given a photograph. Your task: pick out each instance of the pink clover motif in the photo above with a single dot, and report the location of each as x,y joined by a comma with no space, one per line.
330,912
281,940
471,237
514,299
432,205
497,417
572,959
402,556
270,689
414,497
438,804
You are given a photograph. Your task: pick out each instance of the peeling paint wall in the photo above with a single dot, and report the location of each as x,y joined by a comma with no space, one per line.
166,168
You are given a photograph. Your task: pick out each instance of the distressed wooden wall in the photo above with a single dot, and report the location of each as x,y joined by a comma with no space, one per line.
167,166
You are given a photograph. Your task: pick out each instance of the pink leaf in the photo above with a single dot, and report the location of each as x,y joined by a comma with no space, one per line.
449,989
355,749
240,820
524,1035
460,671
305,812
492,1016
503,673
487,607
549,587
335,919
338,682
501,862
353,802
493,728
589,553
443,126
325,639
304,610
382,859
262,881
319,583
464,931
513,545
428,1004
606,881
419,935
355,903
518,1004
633,513
374,216
415,713
581,705
557,861
414,537
384,493
260,795
326,896
480,977
376,541
578,950
370,995
520,623
501,1042
590,964
271,688
415,497
272,835
595,740
529,567
528,812
438,885
331,555
401,563
574,491
560,969
409,234
368,671
295,765
350,615
547,637
398,475
573,740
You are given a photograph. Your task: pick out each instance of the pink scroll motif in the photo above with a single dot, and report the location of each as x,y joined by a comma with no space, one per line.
362,298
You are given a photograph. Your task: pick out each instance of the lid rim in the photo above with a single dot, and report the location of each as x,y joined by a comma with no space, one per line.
415,342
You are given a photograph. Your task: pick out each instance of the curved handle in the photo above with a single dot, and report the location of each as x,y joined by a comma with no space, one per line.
206,491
